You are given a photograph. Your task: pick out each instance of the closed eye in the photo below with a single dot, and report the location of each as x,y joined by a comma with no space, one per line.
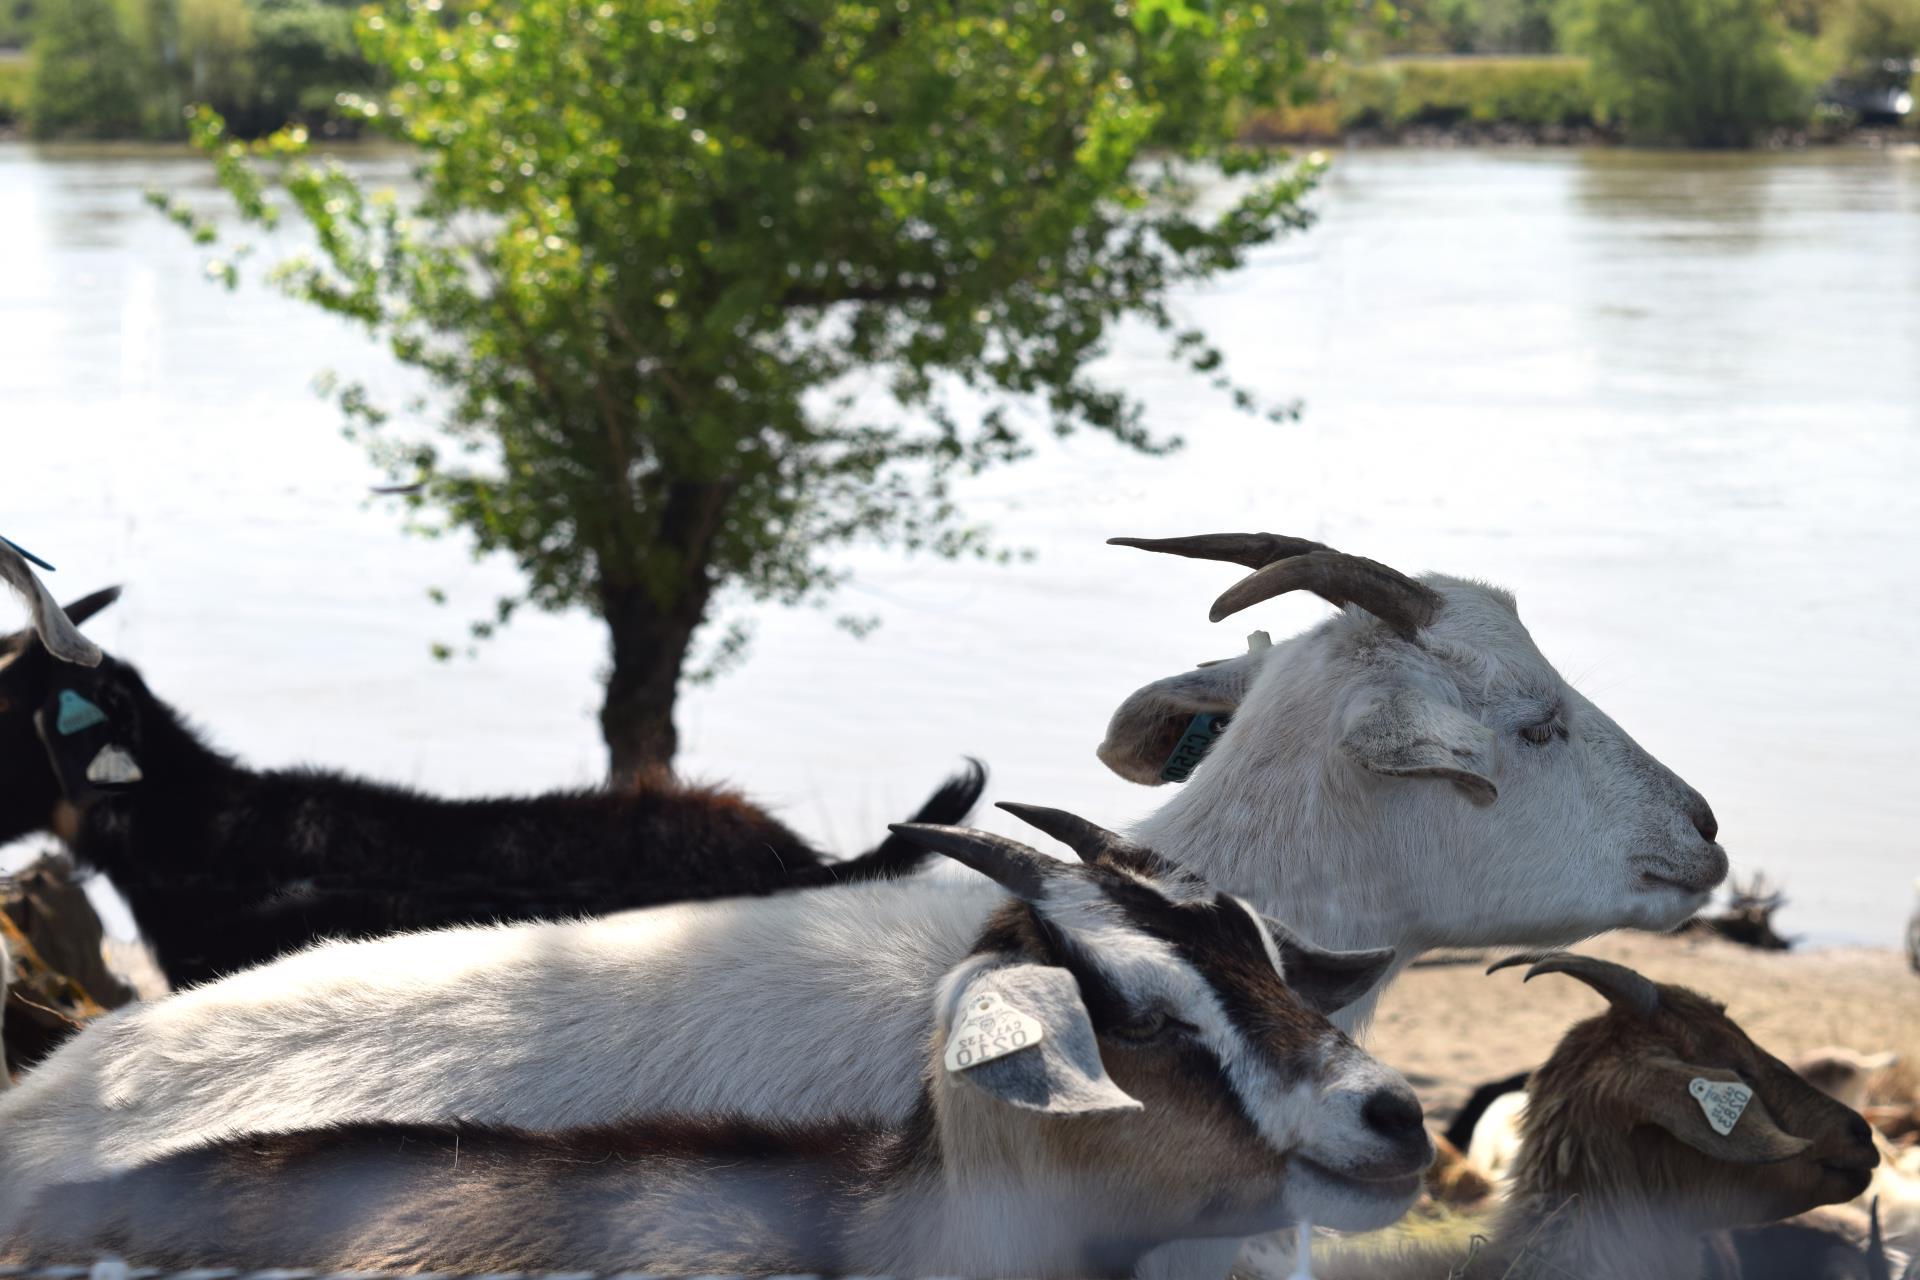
1546,729
1543,733
1153,1024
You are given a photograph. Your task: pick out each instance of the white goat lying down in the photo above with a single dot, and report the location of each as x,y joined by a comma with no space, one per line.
726,1008
1116,1062
1354,793
1651,1124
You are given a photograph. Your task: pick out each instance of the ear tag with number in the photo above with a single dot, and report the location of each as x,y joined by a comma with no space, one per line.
114,767
76,713
990,1028
1721,1101
1202,732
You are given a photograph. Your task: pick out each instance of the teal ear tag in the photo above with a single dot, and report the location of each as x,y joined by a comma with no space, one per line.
76,713
1194,744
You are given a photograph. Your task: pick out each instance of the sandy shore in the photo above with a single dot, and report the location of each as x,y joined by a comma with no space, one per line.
1448,1027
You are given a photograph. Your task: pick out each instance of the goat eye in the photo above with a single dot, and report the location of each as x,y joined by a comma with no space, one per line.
1541,734
1142,1027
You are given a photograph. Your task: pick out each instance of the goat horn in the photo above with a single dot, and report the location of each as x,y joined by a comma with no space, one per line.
1623,988
1254,550
1023,872
1094,843
56,631
1281,564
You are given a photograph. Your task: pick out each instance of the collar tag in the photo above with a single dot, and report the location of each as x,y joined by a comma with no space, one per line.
1194,744
76,713
1723,1102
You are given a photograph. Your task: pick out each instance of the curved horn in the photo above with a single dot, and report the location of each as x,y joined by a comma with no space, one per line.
1094,843
1339,579
1023,872
1623,988
1281,564
56,631
1254,550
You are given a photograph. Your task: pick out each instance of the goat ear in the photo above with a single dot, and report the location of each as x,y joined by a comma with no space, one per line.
1058,1070
1406,734
1679,1097
1328,981
1144,734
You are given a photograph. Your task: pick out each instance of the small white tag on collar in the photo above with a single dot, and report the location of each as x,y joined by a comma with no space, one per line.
990,1028
1722,1101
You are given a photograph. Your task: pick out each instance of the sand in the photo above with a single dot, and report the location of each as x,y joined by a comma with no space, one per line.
1448,1027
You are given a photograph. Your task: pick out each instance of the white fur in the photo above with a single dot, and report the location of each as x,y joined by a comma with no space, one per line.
809,1005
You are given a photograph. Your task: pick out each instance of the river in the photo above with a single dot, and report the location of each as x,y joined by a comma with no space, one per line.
1671,400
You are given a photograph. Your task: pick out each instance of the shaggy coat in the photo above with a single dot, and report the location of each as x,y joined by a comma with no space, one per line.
1177,1086
226,867
1620,1173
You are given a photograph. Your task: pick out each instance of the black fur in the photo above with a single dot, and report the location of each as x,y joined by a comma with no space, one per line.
227,867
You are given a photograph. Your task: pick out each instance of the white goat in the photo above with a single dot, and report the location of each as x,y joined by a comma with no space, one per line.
1118,1062
1354,792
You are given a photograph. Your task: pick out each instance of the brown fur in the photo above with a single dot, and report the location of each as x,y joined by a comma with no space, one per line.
1605,1190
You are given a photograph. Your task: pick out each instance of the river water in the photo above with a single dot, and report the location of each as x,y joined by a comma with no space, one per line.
1671,400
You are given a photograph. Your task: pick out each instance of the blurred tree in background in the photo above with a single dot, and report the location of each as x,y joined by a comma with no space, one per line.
1708,73
714,288
90,73
129,68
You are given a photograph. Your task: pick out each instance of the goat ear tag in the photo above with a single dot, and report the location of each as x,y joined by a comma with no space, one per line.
990,1028
1722,1102
1202,732
76,713
114,767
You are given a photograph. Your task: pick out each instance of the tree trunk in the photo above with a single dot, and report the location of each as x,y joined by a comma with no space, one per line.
649,649
650,636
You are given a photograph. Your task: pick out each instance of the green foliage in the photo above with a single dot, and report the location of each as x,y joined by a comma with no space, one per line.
16,76
1858,35
306,55
260,63
1709,73
16,23
1532,92
1527,91
1463,26
216,64
712,289
91,76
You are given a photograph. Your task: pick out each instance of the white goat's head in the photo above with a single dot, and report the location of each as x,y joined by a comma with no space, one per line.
1421,758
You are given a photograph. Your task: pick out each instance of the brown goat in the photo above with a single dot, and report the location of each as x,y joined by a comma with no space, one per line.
1621,1171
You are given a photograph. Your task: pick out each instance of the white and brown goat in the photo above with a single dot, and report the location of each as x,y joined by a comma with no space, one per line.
1117,1061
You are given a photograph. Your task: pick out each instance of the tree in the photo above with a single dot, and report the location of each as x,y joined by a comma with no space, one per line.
710,289
1709,73
90,75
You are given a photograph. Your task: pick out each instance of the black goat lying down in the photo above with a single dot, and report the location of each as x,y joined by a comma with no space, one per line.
227,867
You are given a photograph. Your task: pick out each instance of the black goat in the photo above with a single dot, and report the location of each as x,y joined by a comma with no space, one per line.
226,866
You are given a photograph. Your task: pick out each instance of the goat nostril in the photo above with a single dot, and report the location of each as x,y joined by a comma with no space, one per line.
1393,1113
1704,822
1860,1131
